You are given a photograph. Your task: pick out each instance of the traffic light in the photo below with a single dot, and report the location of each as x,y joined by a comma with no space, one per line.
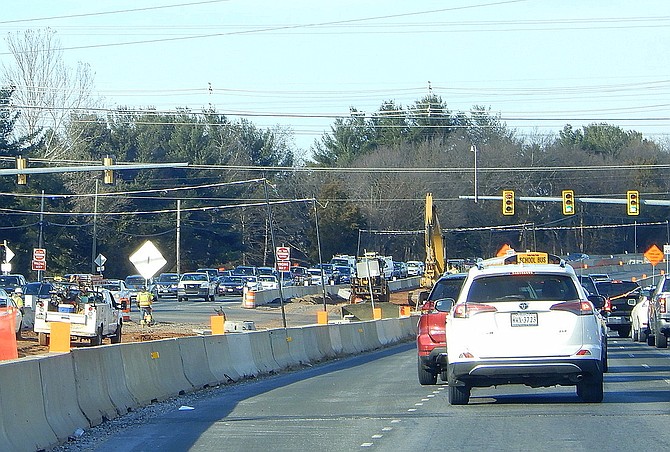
508,202
108,174
21,163
633,202
568,202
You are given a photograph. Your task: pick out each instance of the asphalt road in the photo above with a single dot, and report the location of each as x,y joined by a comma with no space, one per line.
374,401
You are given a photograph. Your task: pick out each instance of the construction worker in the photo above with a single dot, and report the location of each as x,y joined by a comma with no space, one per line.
144,300
17,296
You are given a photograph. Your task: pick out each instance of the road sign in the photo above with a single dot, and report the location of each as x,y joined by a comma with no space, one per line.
283,253
283,266
148,260
100,260
9,254
39,265
654,255
503,250
39,254
666,249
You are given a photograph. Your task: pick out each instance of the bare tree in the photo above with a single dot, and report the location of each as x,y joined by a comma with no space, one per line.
47,91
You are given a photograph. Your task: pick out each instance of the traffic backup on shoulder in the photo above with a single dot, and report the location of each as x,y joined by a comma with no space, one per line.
524,318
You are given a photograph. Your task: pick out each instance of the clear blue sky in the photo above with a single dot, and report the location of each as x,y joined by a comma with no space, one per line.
539,63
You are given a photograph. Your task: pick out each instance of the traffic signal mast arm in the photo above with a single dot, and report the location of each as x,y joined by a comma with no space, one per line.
646,202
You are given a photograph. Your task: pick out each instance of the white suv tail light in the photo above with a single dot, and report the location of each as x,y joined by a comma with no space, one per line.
576,307
466,310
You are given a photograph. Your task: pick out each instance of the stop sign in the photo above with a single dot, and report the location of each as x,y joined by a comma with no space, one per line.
283,253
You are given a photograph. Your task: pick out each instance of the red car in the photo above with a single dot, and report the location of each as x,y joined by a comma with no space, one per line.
431,343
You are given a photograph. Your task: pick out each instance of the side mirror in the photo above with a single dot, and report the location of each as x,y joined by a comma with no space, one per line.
444,305
597,300
423,296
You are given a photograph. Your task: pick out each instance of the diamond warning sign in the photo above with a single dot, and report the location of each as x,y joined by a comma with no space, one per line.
654,255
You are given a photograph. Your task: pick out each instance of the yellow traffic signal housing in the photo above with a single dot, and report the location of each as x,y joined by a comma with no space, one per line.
21,163
568,202
508,202
633,202
108,175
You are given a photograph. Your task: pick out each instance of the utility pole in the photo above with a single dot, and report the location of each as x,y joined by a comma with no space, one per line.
178,257
94,248
274,249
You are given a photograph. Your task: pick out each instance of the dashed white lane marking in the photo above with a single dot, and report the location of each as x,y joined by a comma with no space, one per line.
645,365
396,421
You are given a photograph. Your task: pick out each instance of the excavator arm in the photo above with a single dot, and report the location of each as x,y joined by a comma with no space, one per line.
435,265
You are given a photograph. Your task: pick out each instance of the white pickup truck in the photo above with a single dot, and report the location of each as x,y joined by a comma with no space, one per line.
93,317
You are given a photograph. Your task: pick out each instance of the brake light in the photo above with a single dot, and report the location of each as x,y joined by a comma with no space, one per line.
466,310
607,307
583,352
576,307
662,302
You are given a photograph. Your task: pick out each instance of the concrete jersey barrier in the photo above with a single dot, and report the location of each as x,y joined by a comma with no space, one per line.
96,383
60,393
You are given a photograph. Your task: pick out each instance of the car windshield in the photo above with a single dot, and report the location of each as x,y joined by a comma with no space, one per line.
168,278
524,287
611,289
267,278
344,270
135,281
112,286
232,279
38,289
6,280
244,271
194,277
446,288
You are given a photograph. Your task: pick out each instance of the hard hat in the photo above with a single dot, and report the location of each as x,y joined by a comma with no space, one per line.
18,290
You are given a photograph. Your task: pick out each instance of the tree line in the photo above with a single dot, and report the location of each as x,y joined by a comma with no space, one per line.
362,185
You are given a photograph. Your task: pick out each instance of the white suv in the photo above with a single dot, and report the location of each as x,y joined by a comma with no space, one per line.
525,319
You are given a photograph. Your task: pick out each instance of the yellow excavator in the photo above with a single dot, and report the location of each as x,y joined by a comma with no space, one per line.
435,265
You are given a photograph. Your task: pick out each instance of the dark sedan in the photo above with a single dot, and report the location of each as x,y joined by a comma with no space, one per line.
231,285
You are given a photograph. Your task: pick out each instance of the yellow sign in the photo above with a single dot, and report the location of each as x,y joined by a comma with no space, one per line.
654,255
532,258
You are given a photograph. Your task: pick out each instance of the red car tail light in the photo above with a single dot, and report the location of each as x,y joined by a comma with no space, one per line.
576,307
466,310
662,302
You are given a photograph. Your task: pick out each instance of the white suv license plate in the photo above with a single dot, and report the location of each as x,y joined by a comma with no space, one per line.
524,318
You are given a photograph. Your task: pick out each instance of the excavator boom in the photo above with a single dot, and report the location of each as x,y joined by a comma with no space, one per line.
435,265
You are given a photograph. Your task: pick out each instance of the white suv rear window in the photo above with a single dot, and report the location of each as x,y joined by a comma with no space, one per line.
522,287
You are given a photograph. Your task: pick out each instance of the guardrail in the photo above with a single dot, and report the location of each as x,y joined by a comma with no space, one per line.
54,395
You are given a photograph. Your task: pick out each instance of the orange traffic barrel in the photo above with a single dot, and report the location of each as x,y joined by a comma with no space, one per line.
249,299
